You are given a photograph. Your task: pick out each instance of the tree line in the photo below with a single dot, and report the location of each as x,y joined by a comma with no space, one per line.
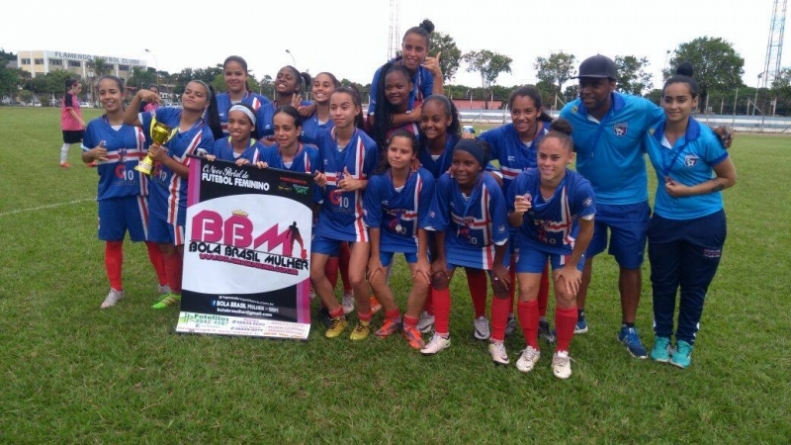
718,70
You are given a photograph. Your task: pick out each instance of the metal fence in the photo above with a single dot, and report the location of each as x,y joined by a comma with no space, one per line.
740,123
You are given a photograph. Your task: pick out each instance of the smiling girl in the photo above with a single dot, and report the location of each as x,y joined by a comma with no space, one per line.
392,98
122,194
235,75
324,84
552,207
240,146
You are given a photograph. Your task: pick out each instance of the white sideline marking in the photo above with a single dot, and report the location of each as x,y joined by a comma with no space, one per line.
48,206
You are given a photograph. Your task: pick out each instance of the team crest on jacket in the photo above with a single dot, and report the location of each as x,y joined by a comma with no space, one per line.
620,128
690,160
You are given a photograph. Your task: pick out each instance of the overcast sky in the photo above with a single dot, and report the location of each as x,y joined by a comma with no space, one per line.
351,40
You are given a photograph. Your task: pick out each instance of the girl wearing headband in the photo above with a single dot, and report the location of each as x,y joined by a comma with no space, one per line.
239,146
468,218
190,132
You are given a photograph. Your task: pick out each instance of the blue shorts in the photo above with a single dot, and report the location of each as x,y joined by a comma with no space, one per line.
532,260
628,226
161,231
125,214
387,257
327,246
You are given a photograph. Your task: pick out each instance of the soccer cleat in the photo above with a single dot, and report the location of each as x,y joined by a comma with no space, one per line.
426,322
682,356
510,326
166,301
112,298
528,359
499,354
582,325
661,351
91,164
65,165
413,337
481,325
324,317
545,332
361,331
376,306
389,327
629,338
561,365
348,304
337,326
436,344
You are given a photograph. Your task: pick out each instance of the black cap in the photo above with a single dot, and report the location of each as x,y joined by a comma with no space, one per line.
598,66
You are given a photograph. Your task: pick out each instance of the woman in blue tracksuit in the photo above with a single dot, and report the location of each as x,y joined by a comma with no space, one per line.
687,230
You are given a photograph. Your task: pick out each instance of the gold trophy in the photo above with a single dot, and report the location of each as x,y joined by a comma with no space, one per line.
160,133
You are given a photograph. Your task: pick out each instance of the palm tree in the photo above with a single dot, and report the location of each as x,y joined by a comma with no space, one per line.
97,67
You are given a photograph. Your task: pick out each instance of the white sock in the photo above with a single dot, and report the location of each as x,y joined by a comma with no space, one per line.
64,153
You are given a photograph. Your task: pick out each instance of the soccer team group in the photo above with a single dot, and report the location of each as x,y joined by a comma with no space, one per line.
406,179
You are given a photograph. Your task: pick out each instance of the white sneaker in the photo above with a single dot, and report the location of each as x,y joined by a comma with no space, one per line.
527,361
436,344
348,304
112,298
561,365
510,327
498,352
426,322
481,325
163,289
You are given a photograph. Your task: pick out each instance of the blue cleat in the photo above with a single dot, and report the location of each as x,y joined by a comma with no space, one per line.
629,338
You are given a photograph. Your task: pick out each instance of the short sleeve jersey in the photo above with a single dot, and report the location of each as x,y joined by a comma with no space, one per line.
263,108
125,145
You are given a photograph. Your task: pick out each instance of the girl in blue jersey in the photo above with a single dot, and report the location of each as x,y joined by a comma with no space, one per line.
168,197
553,209
440,131
687,230
122,195
235,75
324,84
424,71
515,146
397,201
289,85
469,220
289,153
349,158
239,146
392,98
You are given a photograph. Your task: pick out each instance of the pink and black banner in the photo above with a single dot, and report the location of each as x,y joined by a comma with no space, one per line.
247,252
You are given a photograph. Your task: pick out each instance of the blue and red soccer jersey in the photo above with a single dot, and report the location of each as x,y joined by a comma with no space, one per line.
513,155
311,128
551,225
341,214
473,225
307,160
125,147
264,110
399,213
168,194
423,87
223,150
441,164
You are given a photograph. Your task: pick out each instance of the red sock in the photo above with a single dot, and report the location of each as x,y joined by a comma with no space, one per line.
113,263
441,310
158,261
543,292
410,321
528,318
512,287
395,314
173,266
428,305
500,307
337,313
331,270
565,320
343,262
364,316
476,280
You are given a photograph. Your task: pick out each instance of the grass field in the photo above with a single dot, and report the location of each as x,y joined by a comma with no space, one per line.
72,373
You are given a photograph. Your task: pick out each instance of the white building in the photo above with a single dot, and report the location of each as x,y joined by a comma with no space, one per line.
42,62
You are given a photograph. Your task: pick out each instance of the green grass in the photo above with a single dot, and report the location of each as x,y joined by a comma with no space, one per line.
72,373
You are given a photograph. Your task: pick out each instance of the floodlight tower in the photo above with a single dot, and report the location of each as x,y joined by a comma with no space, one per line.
394,44
774,49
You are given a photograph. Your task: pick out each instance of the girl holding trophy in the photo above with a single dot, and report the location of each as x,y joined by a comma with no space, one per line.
123,203
173,134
